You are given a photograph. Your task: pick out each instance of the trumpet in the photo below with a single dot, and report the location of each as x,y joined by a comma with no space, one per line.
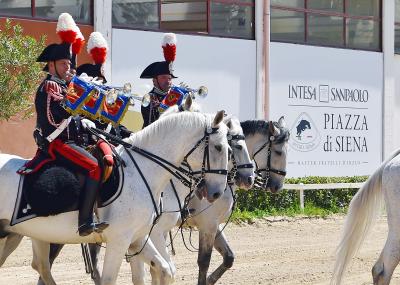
202,91
126,90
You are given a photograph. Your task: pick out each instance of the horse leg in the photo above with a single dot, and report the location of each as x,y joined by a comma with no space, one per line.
115,251
222,246
55,250
159,268
94,253
40,261
388,260
8,245
206,241
138,271
159,241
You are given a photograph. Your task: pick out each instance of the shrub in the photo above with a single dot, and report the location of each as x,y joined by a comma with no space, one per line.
20,74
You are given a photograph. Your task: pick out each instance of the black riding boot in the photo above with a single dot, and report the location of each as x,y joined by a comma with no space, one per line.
86,202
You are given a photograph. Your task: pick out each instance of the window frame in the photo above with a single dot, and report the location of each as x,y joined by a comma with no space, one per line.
344,15
33,15
208,21
396,24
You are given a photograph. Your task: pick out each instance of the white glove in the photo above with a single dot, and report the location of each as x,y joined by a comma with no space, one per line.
87,124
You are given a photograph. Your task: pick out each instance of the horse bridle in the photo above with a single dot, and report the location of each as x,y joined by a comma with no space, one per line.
262,182
233,172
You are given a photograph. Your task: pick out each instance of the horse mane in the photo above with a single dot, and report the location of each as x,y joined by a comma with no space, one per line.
252,127
162,127
175,109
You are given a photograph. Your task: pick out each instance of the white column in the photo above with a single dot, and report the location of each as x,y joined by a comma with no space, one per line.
103,24
260,47
390,126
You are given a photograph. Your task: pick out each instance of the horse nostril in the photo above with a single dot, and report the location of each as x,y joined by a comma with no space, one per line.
216,195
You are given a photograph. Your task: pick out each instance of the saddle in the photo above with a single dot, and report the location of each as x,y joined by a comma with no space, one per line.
101,151
49,187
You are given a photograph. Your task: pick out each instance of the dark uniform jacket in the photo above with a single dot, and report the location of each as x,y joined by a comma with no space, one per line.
151,113
49,110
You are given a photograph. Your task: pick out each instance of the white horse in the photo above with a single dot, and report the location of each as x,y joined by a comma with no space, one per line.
131,215
364,208
265,141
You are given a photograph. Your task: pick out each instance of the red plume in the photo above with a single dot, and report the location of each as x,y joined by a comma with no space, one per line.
77,45
97,47
79,42
169,46
66,28
99,55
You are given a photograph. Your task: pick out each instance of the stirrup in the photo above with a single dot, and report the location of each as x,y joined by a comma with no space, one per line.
86,229
100,227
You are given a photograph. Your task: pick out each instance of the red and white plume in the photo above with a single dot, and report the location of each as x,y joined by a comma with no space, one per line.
97,47
66,28
169,46
79,42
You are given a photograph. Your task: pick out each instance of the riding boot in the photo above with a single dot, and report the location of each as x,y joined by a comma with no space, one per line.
86,202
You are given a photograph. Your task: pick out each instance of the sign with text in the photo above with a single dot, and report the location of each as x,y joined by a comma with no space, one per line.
332,103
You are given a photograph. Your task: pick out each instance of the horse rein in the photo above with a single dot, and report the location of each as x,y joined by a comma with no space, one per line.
262,182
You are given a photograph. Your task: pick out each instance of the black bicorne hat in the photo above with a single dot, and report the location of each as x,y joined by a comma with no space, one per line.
55,52
158,68
93,70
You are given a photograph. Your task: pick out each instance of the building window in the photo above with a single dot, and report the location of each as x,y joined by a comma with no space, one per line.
135,14
352,24
227,18
397,27
80,10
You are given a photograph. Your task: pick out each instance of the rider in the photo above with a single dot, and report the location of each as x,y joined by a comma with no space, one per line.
162,73
57,133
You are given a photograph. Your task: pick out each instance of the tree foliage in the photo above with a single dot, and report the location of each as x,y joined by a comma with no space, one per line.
20,74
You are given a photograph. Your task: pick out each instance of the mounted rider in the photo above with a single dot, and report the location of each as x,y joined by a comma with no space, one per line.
58,133
161,72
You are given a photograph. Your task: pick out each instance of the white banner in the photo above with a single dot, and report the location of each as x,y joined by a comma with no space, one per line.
332,103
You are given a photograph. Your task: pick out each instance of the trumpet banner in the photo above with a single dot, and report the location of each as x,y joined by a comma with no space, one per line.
88,99
174,97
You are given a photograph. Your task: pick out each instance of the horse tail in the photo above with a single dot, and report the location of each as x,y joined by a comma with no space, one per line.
363,210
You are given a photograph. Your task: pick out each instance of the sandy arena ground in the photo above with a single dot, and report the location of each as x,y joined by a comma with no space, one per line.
271,251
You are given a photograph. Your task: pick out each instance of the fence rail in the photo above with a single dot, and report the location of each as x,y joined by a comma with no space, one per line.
302,187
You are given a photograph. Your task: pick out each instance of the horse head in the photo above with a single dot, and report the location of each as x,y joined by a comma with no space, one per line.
241,167
213,160
268,142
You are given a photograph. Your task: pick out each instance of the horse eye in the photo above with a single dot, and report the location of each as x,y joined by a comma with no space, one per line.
218,147
238,146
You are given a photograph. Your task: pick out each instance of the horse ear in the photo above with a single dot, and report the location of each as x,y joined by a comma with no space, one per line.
188,103
228,121
273,131
281,122
229,124
218,118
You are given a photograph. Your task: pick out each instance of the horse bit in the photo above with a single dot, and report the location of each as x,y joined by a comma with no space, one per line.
262,182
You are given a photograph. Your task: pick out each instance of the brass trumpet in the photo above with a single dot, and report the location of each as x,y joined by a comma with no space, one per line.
126,90
202,91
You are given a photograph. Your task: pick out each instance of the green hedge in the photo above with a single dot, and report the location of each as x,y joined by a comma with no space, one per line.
332,201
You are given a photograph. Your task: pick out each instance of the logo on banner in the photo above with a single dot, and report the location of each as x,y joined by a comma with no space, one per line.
304,134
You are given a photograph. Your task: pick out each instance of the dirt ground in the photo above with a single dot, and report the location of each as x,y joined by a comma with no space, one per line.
271,251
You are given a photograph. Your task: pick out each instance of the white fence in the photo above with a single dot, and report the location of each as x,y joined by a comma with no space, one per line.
301,187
